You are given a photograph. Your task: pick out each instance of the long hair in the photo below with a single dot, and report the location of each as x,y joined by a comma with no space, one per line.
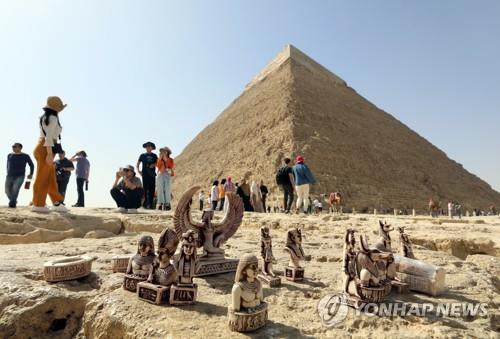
46,115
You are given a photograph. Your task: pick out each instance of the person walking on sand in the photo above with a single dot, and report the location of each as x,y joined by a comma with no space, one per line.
47,146
303,178
243,191
165,166
256,197
16,171
148,173
285,180
229,186
264,192
201,199
222,194
82,173
64,167
214,194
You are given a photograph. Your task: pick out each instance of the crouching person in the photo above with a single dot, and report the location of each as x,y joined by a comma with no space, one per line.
127,190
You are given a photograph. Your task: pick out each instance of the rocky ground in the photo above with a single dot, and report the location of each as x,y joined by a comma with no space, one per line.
97,307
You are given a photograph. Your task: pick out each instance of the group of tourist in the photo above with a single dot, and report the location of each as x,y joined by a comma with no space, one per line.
155,189
52,177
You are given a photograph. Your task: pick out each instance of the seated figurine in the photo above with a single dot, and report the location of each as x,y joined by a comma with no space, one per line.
184,291
247,310
294,271
140,265
266,252
406,249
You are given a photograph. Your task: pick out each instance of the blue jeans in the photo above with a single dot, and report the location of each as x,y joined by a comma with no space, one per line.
12,187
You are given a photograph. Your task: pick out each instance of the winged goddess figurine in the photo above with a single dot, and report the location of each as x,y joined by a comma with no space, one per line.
210,235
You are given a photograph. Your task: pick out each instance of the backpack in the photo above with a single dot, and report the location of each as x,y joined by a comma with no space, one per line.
282,175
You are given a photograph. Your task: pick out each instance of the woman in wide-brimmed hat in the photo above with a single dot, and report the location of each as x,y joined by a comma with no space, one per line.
48,145
165,166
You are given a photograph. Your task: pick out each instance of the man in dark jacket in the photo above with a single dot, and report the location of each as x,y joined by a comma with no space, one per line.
285,181
16,171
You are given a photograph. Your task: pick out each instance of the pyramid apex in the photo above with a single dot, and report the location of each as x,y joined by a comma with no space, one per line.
293,53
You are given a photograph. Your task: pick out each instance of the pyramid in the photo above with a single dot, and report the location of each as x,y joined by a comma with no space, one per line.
296,106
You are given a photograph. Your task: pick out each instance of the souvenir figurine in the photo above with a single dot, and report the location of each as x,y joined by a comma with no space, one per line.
210,235
405,244
184,291
266,250
247,310
294,271
140,265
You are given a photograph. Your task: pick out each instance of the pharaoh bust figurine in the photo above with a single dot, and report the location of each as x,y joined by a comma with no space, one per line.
186,263
293,246
163,272
140,265
247,310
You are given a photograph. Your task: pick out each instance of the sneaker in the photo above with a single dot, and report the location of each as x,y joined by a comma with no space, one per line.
59,208
121,210
40,209
132,211
12,205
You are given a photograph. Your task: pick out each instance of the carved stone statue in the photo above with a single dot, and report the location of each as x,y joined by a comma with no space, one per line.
294,271
366,276
140,265
210,235
266,251
157,288
384,242
247,310
405,244
184,291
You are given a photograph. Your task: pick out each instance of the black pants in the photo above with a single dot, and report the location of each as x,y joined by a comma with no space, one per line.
149,184
221,205
127,198
264,203
288,197
79,188
214,205
61,186
201,205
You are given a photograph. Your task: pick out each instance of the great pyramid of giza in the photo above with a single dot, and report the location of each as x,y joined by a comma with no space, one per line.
296,106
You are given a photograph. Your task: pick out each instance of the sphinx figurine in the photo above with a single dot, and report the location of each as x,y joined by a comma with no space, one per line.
247,310
406,249
384,242
140,265
366,277
266,250
184,290
157,287
294,271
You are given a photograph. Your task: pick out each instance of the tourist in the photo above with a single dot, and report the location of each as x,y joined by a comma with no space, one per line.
264,192
48,145
222,194
285,180
229,187
16,171
457,208
165,165
148,173
450,209
303,178
243,191
82,173
214,194
255,197
64,167
201,198
127,190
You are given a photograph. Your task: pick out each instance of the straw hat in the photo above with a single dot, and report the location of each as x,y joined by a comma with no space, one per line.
55,103
166,149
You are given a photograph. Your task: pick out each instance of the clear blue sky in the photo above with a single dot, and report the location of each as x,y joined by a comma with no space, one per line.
132,71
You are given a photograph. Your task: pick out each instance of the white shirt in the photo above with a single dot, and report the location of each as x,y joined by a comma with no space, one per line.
214,193
201,196
52,131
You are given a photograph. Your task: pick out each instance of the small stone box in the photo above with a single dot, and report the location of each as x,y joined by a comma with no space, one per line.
183,294
269,280
294,273
155,294
120,263
130,282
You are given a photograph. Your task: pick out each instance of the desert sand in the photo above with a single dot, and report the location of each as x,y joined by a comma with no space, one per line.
97,307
